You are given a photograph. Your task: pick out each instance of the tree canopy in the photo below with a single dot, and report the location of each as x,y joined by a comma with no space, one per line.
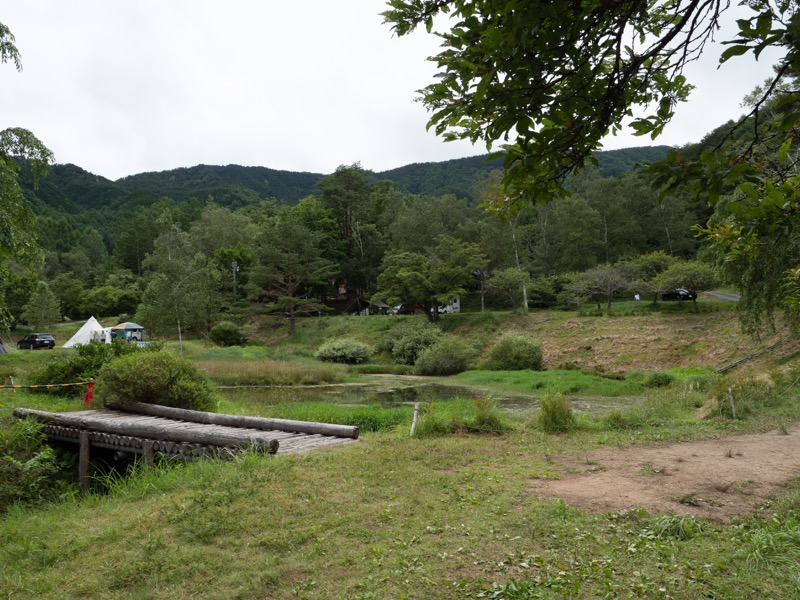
17,233
549,79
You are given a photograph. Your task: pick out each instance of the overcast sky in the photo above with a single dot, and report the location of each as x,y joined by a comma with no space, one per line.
120,88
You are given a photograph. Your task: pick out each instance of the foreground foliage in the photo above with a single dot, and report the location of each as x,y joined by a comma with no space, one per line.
155,378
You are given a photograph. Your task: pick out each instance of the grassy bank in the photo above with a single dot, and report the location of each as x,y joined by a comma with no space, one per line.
390,517
448,515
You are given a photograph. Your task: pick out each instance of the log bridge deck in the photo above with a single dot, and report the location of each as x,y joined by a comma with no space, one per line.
152,430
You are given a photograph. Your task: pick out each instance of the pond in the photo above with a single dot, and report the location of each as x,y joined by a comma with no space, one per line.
394,390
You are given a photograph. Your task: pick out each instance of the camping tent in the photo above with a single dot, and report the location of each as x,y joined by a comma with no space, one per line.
91,330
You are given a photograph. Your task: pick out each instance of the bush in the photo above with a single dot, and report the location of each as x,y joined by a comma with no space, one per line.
30,471
658,379
407,340
448,356
85,362
155,378
344,350
226,333
515,353
555,414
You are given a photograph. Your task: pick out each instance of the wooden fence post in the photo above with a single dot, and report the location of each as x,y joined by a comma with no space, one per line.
414,420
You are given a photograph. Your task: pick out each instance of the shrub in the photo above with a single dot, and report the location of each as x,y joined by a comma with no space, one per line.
555,414
515,353
85,362
226,333
658,379
344,350
30,471
155,378
448,356
407,340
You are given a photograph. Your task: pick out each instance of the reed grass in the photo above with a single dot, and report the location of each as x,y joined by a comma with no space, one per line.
270,372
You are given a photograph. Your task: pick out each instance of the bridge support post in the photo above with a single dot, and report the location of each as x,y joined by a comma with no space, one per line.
148,453
83,463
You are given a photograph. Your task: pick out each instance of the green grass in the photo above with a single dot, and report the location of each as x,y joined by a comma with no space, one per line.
447,516
390,517
555,381
366,418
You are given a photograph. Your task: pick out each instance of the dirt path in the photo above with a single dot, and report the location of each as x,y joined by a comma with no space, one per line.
715,479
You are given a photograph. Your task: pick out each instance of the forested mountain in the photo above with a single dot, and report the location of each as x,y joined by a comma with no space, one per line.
70,189
225,183
615,163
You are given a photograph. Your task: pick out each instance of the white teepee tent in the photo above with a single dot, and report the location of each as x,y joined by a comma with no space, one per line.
91,330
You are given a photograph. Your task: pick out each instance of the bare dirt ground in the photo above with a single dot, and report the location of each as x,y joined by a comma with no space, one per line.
716,479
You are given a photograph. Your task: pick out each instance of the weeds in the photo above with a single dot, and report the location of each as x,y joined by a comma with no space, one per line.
460,415
672,526
555,414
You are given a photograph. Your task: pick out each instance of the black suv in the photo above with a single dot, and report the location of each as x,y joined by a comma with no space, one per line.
32,341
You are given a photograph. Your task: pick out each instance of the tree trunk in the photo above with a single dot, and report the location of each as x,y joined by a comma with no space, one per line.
262,423
243,439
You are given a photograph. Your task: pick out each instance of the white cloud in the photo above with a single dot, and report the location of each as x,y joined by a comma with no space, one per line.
120,88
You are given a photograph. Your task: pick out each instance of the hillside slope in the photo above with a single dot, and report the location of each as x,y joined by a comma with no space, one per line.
661,340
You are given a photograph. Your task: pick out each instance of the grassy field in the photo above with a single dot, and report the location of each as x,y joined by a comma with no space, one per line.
444,516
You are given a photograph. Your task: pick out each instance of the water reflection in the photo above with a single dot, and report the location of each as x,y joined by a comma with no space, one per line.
400,391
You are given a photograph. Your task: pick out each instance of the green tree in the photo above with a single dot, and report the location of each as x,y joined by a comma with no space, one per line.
289,268
8,48
43,308
107,300
428,280
511,282
182,293
17,231
68,289
420,220
603,282
18,240
358,246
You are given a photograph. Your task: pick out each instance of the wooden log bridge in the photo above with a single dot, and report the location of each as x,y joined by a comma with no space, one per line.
152,430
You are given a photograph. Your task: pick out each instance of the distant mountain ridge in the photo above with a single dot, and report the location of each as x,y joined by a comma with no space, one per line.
70,189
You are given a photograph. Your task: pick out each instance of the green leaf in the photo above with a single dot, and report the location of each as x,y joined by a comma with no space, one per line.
733,51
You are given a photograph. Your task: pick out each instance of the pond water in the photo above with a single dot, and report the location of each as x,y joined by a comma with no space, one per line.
395,390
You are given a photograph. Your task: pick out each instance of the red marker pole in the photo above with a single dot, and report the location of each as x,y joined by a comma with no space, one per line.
88,400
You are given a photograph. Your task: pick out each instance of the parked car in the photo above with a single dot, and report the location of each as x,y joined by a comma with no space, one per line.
678,294
32,341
